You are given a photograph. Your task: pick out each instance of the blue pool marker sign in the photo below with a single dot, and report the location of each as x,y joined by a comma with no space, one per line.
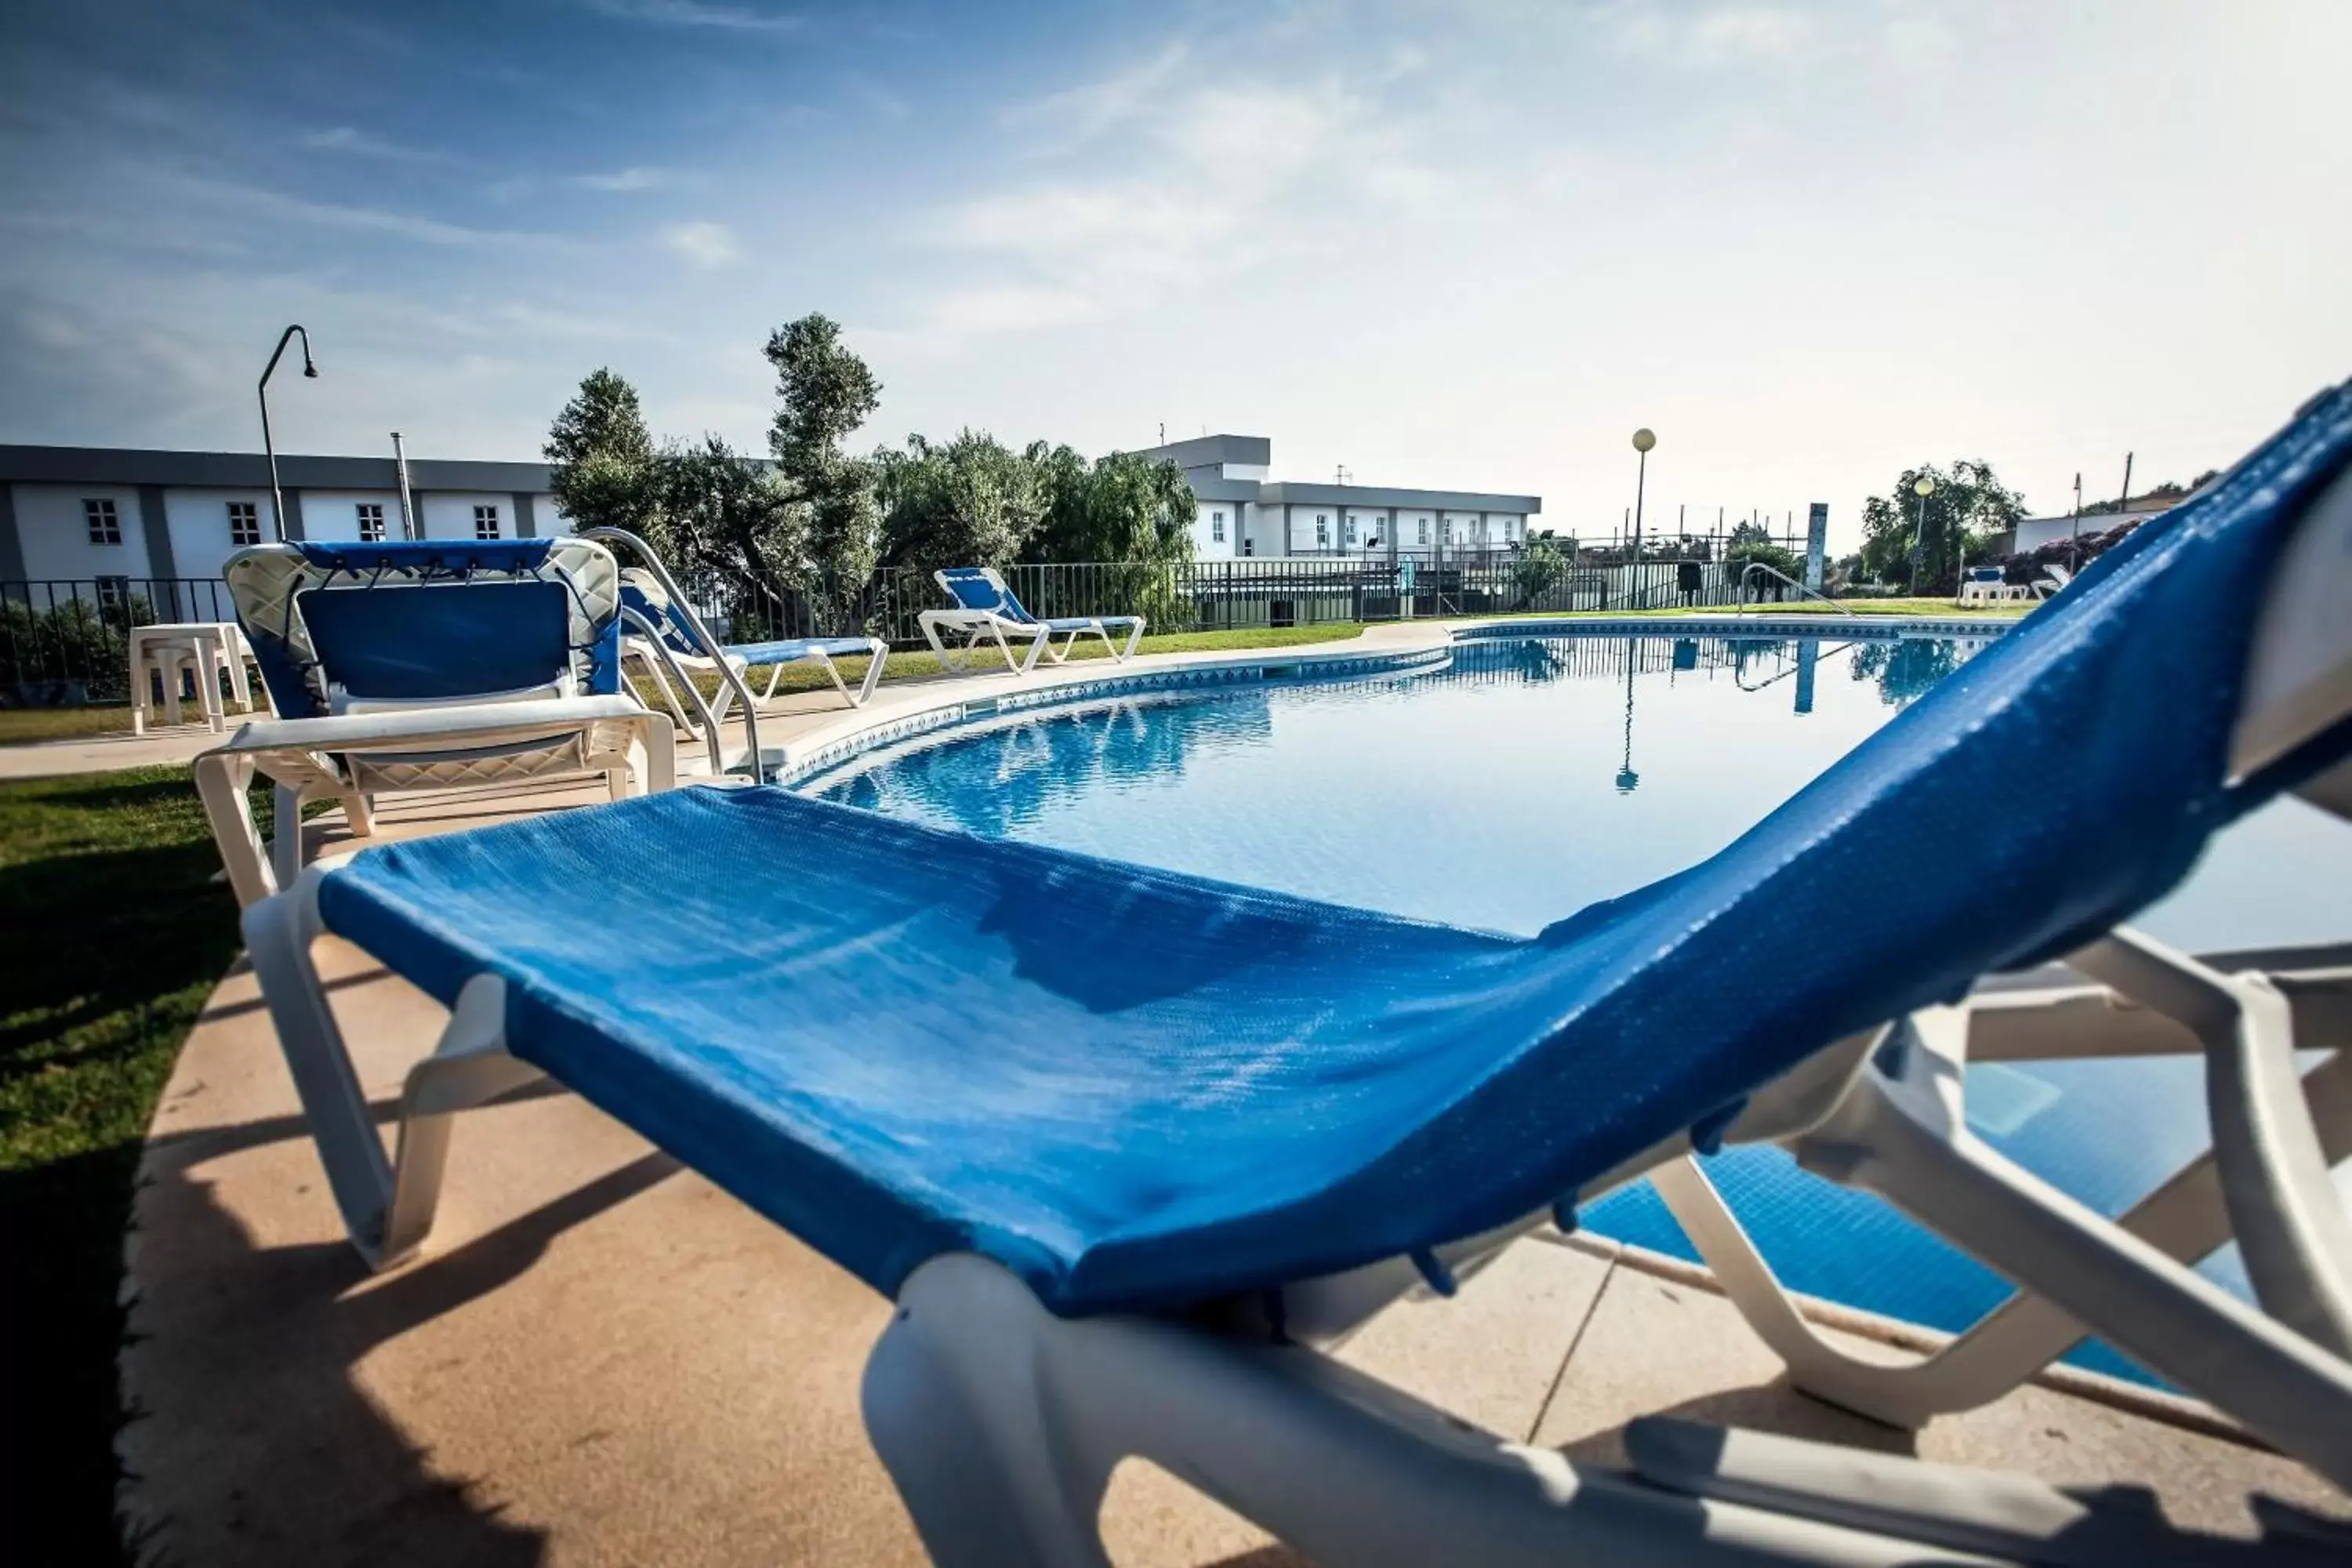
1817,534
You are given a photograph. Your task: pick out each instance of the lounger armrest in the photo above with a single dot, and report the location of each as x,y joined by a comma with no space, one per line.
478,723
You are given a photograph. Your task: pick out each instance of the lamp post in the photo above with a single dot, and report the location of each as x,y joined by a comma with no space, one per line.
269,448
1643,439
1925,488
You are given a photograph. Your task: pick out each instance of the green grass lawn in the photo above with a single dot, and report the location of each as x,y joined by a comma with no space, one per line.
116,935
18,725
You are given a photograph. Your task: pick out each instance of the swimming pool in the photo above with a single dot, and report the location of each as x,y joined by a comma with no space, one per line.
1535,775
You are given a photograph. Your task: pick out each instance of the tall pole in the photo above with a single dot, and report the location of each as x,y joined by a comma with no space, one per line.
2075,531
407,511
269,447
1923,487
2125,504
1643,439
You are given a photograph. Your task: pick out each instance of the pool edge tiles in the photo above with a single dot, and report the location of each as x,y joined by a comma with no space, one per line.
791,768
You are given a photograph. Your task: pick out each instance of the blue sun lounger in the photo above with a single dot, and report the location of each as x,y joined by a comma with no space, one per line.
986,608
1207,1129
657,617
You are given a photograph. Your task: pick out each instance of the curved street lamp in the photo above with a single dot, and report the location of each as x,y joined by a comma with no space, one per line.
269,448
1923,487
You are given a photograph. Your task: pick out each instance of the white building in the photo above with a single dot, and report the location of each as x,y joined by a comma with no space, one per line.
84,513
1241,513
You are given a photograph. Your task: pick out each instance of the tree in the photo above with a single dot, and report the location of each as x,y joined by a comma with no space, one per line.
1125,508
1969,506
970,502
827,392
1539,568
1752,544
602,456
724,515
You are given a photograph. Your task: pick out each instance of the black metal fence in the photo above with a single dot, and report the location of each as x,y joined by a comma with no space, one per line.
65,642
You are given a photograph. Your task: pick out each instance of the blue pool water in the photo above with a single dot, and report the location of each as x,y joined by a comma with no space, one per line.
1537,774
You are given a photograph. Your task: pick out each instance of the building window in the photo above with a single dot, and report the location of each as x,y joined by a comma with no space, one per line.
486,522
244,523
105,526
1424,530
371,521
1510,529
1217,527
1322,531
1444,530
114,593
1348,531
1249,546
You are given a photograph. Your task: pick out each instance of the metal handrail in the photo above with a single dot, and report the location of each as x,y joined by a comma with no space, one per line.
710,645
1755,566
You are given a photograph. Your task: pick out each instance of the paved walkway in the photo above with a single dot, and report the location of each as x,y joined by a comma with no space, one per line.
603,1359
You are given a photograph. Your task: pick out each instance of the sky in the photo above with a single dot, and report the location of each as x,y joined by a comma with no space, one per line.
1464,246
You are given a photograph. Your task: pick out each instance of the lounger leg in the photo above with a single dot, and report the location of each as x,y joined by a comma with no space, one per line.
468,1068
222,784
285,834
1899,1132
878,657
1037,645
358,814
278,932
1001,1424
142,701
1134,640
2184,1217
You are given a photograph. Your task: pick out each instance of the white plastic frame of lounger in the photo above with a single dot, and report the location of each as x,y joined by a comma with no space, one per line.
979,626
317,759
1002,1423
638,646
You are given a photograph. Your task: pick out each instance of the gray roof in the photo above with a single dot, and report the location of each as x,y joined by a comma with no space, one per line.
250,470
1209,451
1366,496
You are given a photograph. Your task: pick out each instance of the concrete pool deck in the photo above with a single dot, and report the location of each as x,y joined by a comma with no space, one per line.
601,1358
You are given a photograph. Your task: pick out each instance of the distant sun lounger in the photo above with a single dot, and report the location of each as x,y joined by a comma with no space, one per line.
985,609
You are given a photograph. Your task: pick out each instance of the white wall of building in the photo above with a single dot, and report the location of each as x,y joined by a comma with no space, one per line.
548,519
451,516
334,515
198,521
55,537
1217,531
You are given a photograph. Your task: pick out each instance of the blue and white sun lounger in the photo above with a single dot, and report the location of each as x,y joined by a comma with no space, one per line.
430,665
986,608
1209,1127
657,618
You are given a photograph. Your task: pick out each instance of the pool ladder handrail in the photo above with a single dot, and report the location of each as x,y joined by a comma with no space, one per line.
1755,566
685,610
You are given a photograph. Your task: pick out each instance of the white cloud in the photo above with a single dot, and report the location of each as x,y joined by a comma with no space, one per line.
706,245
1081,113
701,13
633,178
1719,35
358,143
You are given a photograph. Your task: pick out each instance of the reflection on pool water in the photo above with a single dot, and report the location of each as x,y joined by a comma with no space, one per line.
1537,774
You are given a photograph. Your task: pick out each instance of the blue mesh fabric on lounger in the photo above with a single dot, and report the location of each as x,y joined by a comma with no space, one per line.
1138,1089
974,590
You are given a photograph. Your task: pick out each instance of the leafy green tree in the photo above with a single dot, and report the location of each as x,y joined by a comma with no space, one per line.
726,516
1540,568
1753,542
827,392
602,456
1954,524
970,502
1125,508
